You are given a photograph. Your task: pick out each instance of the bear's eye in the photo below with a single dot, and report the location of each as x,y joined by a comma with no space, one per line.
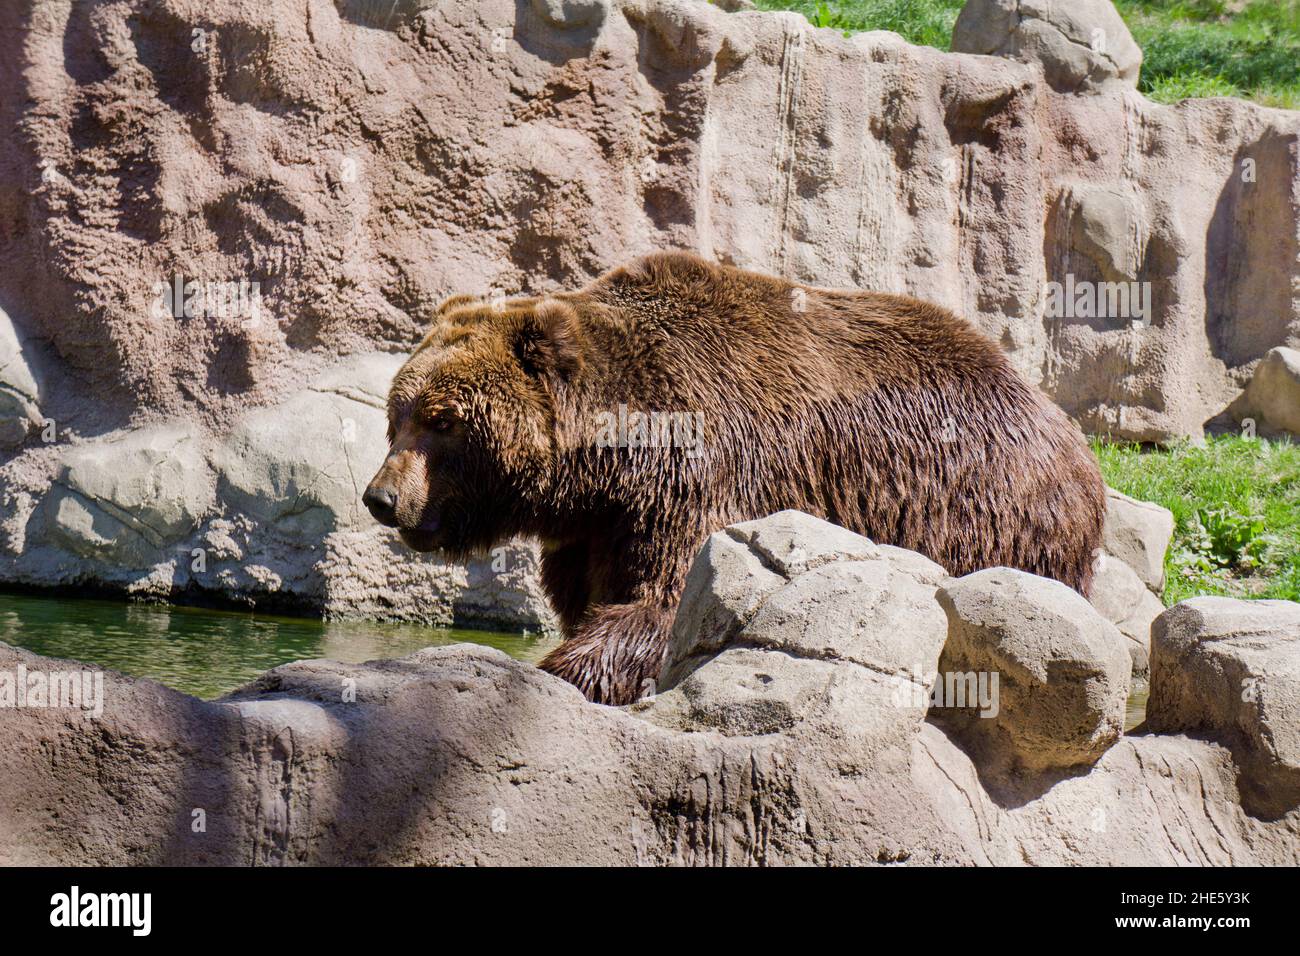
443,421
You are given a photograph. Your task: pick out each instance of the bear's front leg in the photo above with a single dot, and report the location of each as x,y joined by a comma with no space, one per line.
616,653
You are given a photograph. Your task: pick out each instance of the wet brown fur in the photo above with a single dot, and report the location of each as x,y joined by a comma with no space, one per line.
881,413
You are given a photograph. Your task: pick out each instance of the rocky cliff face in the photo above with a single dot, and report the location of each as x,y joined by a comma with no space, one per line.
827,701
222,222
357,160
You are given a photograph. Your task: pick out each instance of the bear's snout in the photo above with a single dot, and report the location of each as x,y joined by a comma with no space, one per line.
382,503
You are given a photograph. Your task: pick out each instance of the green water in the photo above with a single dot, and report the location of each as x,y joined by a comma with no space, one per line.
209,653
1137,705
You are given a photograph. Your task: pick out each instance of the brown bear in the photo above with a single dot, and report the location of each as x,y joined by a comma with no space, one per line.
623,423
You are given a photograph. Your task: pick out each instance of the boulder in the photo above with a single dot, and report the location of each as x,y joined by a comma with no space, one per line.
1059,672
302,465
1121,598
368,573
1083,45
1108,226
1229,670
808,595
1138,533
740,567
1271,402
572,13
130,497
20,388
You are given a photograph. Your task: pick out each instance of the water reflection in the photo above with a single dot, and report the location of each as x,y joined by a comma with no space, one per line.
1137,705
209,653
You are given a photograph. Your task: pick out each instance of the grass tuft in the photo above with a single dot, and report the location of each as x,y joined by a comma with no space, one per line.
1236,503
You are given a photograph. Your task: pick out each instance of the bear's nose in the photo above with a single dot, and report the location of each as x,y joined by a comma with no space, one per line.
382,504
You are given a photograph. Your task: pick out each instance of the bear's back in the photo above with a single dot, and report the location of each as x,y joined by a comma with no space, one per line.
760,332
886,414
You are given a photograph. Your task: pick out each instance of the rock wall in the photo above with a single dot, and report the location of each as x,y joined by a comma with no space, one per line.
358,170
805,717
209,210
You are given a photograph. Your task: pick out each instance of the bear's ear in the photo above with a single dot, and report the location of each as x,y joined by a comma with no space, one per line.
452,304
548,340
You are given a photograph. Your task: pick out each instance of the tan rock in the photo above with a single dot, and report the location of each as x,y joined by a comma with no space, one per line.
1229,670
812,590
303,465
1271,402
773,611
752,138
1082,45
1138,533
20,388
129,499
1121,598
1062,671
460,755
567,14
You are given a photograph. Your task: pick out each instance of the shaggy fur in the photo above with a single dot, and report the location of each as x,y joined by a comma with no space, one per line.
886,415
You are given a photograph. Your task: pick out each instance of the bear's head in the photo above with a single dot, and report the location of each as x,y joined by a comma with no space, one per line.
472,424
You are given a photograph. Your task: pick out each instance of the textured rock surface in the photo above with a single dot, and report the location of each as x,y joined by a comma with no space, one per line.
1272,399
816,595
304,464
492,148
1121,598
129,500
1229,670
785,749
1063,670
20,390
801,585
1129,571
1083,45
1138,533
569,14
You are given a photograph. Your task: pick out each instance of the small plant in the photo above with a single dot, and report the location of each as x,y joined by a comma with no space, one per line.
1221,545
1229,539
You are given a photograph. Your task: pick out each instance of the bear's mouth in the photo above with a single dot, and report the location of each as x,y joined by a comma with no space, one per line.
419,539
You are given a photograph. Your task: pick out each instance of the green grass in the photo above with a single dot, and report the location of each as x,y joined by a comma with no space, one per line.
1237,506
927,22
1218,48
1191,48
